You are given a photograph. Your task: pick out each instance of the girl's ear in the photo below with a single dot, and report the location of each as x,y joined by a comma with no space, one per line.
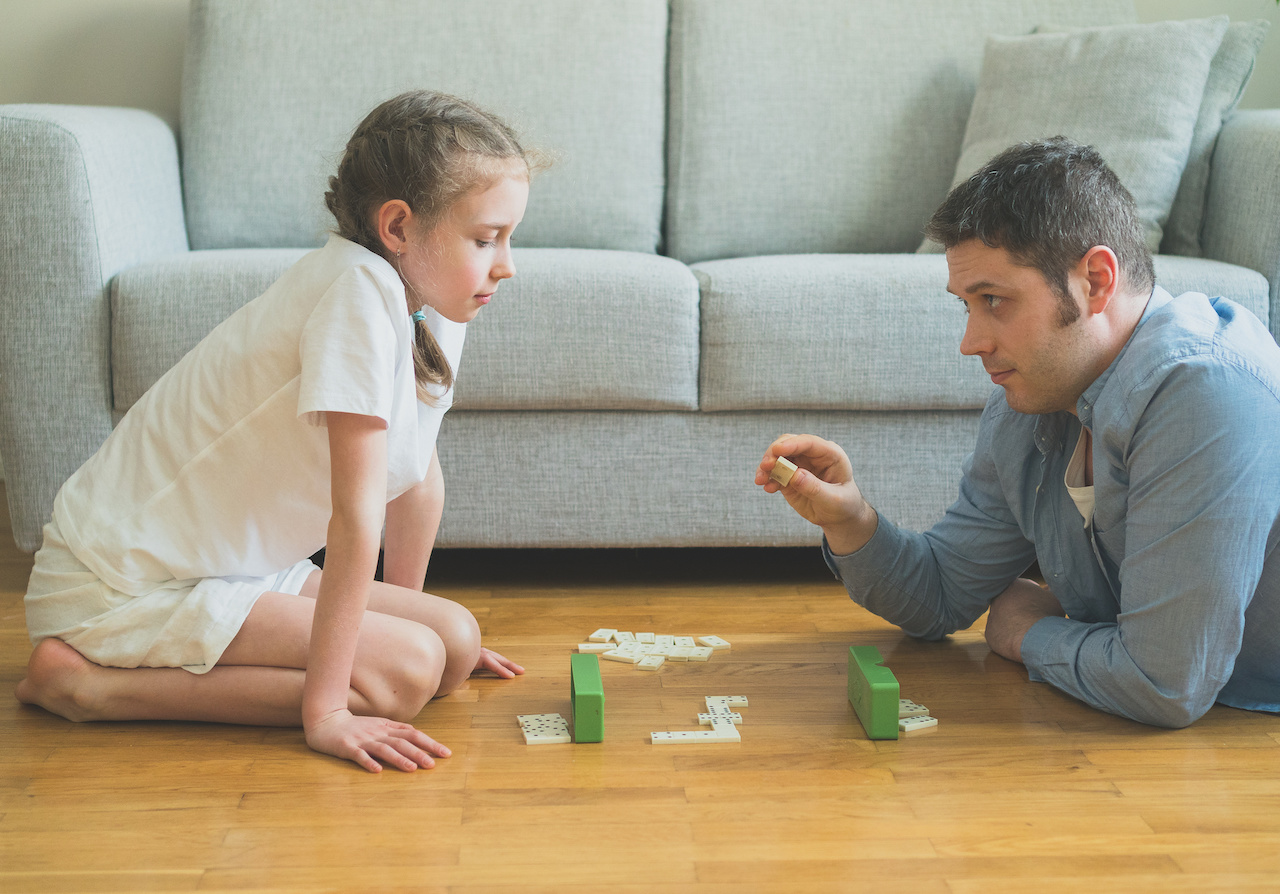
394,220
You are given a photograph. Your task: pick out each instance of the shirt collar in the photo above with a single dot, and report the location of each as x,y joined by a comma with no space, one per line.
1084,406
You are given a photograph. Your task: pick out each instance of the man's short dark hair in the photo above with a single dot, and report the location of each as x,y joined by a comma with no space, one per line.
1048,202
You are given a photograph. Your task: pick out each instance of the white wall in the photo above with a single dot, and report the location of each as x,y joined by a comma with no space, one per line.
1264,89
129,52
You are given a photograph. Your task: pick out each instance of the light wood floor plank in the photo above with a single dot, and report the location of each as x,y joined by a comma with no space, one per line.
1019,788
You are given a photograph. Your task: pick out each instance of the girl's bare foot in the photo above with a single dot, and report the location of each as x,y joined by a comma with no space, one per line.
57,680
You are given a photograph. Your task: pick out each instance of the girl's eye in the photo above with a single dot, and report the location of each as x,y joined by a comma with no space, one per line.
482,243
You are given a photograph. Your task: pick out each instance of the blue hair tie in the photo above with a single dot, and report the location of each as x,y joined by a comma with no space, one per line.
418,316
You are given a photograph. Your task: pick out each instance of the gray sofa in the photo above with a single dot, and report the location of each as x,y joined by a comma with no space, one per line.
723,251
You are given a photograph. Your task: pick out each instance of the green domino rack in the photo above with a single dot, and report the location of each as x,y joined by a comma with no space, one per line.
586,695
873,690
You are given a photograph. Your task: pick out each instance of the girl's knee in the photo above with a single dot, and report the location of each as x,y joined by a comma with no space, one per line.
407,674
460,633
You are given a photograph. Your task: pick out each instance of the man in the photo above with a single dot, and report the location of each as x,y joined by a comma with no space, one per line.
1133,449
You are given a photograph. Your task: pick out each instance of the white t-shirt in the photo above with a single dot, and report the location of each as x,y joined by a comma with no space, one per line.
222,467
1081,494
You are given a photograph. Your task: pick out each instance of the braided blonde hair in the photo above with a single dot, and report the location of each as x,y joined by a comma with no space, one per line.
426,149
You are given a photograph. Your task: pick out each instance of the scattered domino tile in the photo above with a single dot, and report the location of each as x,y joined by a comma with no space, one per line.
732,701
725,728
783,469
544,729
685,736
632,648
908,708
915,724
722,721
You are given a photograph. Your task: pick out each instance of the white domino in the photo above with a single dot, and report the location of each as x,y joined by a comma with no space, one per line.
783,469
650,663
644,637
701,653
679,653
623,636
915,724
685,642
714,642
726,701
544,729
603,635
706,718
619,655
684,737
664,639
595,647
908,708
725,728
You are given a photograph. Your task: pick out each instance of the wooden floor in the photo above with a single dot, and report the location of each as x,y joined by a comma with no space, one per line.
1018,789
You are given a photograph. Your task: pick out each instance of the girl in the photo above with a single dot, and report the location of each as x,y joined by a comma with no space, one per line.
307,419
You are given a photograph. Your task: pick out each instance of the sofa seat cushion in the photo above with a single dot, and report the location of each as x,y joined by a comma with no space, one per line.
576,328
834,332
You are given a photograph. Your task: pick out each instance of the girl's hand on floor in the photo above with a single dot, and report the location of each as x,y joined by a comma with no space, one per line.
368,740
492,661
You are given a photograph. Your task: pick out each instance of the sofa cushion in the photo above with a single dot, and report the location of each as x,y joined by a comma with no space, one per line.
868,332
273,89
575,329
1132,92
1229,74
834,332
826,126
1242,285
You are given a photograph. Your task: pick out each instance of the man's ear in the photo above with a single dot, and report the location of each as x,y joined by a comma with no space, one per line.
1100,270
393,221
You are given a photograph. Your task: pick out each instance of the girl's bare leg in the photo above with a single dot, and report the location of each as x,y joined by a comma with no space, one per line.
400,664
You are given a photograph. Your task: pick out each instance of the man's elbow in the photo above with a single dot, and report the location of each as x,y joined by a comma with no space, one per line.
1175,709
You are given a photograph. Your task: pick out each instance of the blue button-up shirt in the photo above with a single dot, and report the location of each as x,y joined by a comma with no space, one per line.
1172,592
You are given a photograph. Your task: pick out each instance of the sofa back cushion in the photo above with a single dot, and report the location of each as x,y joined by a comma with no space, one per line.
273,88
826,125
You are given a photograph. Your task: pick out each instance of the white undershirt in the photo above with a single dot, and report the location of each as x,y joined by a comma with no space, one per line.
1081,494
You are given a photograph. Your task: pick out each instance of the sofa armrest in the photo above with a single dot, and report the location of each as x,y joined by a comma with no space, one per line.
1242,219
85,192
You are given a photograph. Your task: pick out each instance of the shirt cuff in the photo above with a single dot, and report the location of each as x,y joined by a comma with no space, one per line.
872,557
